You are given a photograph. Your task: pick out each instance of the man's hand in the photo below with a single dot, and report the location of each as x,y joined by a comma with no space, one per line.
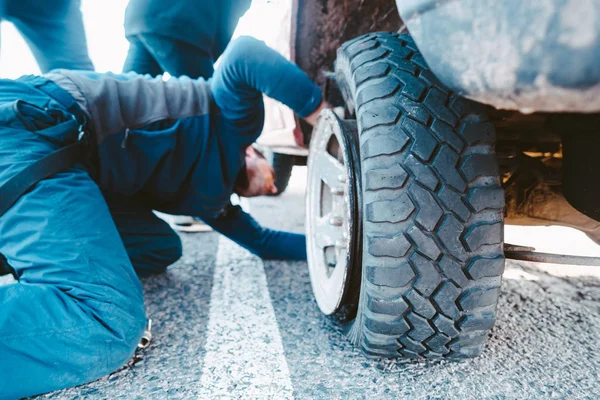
312,118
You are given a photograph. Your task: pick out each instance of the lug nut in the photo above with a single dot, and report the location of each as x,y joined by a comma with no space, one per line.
336,221
337,191
342,178
340,244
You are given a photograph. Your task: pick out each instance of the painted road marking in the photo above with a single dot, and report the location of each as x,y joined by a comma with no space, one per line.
244,352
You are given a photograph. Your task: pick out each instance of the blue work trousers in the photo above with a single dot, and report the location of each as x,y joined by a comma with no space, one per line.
155,55
53,29
76,312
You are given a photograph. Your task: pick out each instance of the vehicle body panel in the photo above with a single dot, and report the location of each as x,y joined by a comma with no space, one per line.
280,132
512,54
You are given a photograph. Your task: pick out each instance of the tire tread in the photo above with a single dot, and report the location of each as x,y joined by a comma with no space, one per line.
435,152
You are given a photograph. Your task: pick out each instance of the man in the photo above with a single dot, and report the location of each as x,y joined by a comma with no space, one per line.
53,30
77,311
181,37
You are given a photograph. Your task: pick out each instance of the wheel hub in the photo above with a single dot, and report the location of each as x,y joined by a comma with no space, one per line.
331,211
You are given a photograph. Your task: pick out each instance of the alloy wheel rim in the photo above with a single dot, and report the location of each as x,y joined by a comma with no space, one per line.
330,212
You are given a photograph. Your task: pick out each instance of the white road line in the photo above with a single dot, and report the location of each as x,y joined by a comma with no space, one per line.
244,353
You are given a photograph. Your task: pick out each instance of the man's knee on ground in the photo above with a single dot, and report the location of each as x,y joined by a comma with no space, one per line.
168,251
115,330
113,334
127,326
78,339
151,244
155,260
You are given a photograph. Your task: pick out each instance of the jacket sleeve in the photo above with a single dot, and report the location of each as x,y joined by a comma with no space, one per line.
116,102
266,243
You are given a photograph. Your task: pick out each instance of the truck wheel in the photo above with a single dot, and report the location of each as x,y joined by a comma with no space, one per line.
283,165
333,213
425,262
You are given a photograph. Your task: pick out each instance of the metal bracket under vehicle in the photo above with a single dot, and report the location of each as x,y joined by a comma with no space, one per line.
523,253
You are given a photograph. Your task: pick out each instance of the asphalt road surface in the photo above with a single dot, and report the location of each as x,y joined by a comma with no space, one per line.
228,325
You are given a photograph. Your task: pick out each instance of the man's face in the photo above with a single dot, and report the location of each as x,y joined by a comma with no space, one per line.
261,176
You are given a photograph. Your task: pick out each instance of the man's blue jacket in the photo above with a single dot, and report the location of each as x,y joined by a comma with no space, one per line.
172,148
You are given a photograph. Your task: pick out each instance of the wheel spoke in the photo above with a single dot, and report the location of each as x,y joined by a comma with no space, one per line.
329,220
331,171
340,266
329,231
338,204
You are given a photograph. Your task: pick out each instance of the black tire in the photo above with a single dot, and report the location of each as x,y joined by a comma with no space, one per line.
283,165
432,203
